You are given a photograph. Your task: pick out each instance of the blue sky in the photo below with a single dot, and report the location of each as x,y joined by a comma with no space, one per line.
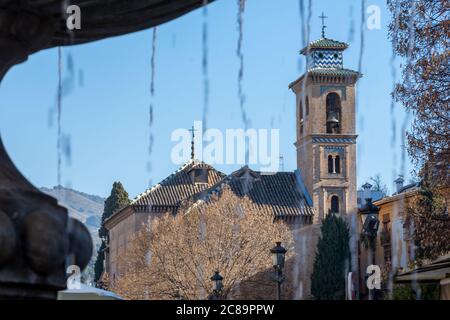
107,117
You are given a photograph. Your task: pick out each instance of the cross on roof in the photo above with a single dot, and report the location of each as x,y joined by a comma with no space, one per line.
192,130
323,17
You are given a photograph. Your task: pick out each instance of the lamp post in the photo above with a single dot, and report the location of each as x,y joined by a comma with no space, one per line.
217,285
278,257
370,223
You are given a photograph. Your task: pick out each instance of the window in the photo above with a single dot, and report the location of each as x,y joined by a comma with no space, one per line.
300,112
199,175
333,109
334,204
300,115
334,164
330,164
337,164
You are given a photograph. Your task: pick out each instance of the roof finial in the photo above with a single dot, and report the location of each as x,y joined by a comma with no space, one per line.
323,17
192,130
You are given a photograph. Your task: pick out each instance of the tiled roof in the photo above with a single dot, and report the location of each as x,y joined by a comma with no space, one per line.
276,194
325,43
329,72
332,72
178,186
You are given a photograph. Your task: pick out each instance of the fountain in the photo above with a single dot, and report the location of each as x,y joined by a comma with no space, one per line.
37,238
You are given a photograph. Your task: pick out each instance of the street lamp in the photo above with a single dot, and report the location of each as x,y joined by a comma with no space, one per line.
370,223
278,257
217,285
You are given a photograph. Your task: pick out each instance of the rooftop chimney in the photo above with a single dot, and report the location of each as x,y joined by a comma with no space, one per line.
367,188
399,183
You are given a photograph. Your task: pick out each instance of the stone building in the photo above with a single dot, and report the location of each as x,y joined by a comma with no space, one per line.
394,246
165,197
323,183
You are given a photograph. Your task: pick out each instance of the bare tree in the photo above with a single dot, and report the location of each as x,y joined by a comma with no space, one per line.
176,256
428,219
420,33
378,184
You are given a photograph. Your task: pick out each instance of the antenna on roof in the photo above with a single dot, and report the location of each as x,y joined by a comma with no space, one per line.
323,17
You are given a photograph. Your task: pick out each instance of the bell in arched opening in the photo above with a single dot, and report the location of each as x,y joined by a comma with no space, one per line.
333,113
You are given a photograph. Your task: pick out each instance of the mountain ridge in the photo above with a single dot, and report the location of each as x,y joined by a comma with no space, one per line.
86,208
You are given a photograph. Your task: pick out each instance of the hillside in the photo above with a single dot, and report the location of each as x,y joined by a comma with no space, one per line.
84,207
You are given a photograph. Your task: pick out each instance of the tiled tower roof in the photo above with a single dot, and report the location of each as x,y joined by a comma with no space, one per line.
324,43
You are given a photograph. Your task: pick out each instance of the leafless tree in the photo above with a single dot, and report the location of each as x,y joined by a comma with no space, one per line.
176,256
420,32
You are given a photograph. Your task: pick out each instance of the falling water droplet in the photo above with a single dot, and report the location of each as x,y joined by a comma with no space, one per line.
406,120
301,4
151,107
66,148
240,55
59,111
354,235
360,116
351,31
393,98
409,57
302,238
361,39
205,65
80,78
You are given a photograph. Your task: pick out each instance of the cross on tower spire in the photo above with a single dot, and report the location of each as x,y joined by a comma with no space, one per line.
323,17
192,130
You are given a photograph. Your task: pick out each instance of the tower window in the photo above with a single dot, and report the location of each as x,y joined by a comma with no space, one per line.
337,164
333,109
300,111
334,164
330,164
334,204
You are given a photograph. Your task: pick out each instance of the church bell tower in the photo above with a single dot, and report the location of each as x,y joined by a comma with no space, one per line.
326,135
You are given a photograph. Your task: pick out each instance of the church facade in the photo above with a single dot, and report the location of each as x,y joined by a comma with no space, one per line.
326,145
324,182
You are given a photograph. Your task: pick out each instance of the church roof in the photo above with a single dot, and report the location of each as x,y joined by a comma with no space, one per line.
278,194
324,43
273,193
177,187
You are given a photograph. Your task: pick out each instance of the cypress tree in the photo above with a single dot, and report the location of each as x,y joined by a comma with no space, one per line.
117,200
328,277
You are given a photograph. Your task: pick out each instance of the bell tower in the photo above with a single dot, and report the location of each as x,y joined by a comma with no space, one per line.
325,121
